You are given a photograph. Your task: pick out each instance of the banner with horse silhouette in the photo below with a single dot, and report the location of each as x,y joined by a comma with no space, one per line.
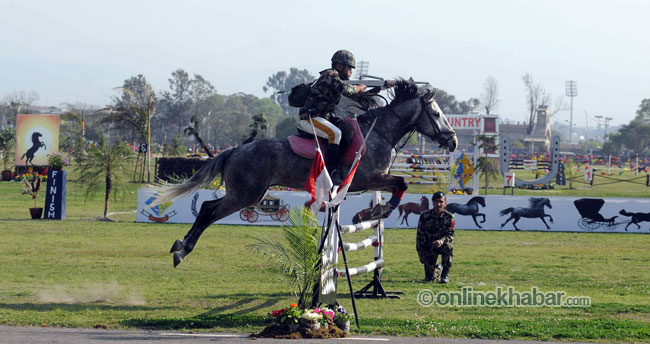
472,212
36,137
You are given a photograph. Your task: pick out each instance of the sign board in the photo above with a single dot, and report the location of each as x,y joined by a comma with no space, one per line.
464,121
509,180
55,195
589,174
570,214
36,137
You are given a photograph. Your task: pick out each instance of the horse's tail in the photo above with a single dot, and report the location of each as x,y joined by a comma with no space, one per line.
400,208
206,173
506,211
23,157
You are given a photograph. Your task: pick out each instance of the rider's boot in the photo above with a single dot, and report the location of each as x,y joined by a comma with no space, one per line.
332,163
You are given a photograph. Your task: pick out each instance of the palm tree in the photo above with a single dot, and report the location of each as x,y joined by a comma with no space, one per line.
484,164
103,164
134,110
295,252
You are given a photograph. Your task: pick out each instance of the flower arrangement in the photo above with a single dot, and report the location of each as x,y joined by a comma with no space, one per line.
341,315
291,315
32,186
57,161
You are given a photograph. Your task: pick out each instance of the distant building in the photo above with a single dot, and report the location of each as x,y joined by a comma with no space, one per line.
539,139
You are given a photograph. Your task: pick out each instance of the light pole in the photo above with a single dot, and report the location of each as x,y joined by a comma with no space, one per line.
607,119
571,91
599,119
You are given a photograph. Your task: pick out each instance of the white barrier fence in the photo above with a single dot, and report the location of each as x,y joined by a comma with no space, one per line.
437,166
564,212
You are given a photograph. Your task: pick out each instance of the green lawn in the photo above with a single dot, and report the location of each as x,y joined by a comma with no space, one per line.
82,273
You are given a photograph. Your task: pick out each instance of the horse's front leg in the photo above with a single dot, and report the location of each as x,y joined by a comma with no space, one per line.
385,182
550,218
482,215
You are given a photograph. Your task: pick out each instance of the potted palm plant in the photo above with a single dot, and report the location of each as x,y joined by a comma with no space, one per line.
31,188
6,146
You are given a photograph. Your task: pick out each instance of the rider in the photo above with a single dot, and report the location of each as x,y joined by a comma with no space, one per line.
324,94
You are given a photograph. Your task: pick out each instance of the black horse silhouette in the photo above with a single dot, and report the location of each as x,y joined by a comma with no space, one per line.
470,208
36,144
535,209
412,207
636,218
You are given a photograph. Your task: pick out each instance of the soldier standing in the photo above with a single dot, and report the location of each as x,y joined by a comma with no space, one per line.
435,236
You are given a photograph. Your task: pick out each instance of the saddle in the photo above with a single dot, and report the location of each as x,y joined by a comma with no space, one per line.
305,146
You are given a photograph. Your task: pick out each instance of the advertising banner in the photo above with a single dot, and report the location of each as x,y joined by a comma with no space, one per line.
36,137
492,212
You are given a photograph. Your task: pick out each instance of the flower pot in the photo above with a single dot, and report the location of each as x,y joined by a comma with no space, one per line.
36,213
344,325
313,326
6,175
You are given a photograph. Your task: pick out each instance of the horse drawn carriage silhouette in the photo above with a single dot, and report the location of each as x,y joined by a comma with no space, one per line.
589,209
269,206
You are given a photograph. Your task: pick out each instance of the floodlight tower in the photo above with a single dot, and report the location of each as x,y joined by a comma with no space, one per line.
362,69
571,91
607,119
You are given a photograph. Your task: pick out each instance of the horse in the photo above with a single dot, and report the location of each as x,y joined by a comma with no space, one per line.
249,170
364,214
469,208
36,144
535,209
412,207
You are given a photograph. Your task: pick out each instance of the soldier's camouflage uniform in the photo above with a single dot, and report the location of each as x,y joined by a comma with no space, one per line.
432,227
325,94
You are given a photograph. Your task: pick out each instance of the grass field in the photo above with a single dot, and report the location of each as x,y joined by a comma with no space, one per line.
83,273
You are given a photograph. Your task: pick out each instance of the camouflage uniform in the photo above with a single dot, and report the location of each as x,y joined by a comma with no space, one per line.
432,227
325,94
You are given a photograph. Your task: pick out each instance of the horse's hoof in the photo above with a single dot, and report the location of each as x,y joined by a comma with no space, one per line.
177,259
177,246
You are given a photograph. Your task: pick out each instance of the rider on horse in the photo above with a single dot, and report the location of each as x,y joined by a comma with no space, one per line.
323,96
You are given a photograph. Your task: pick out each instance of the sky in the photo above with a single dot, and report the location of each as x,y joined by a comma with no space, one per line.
79,51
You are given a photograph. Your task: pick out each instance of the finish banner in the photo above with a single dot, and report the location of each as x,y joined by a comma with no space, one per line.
36,137
554,214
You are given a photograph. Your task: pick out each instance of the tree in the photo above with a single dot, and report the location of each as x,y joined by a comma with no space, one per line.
535,96
103,164
257,129
490,97
286,127
282,82
449,105
643,112
487,166
7,140
134,110
16,102
636,135
176,103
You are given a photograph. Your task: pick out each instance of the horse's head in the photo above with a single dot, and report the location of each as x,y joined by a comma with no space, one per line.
425,116
478,199
35,136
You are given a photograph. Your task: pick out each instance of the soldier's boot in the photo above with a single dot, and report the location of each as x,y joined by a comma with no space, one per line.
332,164
428,273
444,276
437,272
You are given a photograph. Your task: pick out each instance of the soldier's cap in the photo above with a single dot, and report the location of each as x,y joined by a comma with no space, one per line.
437,195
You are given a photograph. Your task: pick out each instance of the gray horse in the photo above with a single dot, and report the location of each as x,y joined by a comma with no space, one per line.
249,170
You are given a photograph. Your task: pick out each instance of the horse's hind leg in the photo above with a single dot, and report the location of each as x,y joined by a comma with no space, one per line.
545,224
506,221
210,212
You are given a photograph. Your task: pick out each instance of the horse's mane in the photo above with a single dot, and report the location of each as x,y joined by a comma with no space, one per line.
403,90
534,202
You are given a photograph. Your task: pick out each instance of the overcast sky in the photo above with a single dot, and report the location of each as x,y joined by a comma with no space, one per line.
78,51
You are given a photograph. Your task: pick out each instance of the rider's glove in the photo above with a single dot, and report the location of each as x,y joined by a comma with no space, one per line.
389,83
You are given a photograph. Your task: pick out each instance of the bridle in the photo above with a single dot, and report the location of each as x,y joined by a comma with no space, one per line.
423,108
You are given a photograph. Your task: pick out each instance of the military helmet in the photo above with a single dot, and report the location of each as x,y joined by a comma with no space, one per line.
345,57
437,195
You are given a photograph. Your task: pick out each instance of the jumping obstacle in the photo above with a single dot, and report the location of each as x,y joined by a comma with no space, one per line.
333,242
505,164
438,166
